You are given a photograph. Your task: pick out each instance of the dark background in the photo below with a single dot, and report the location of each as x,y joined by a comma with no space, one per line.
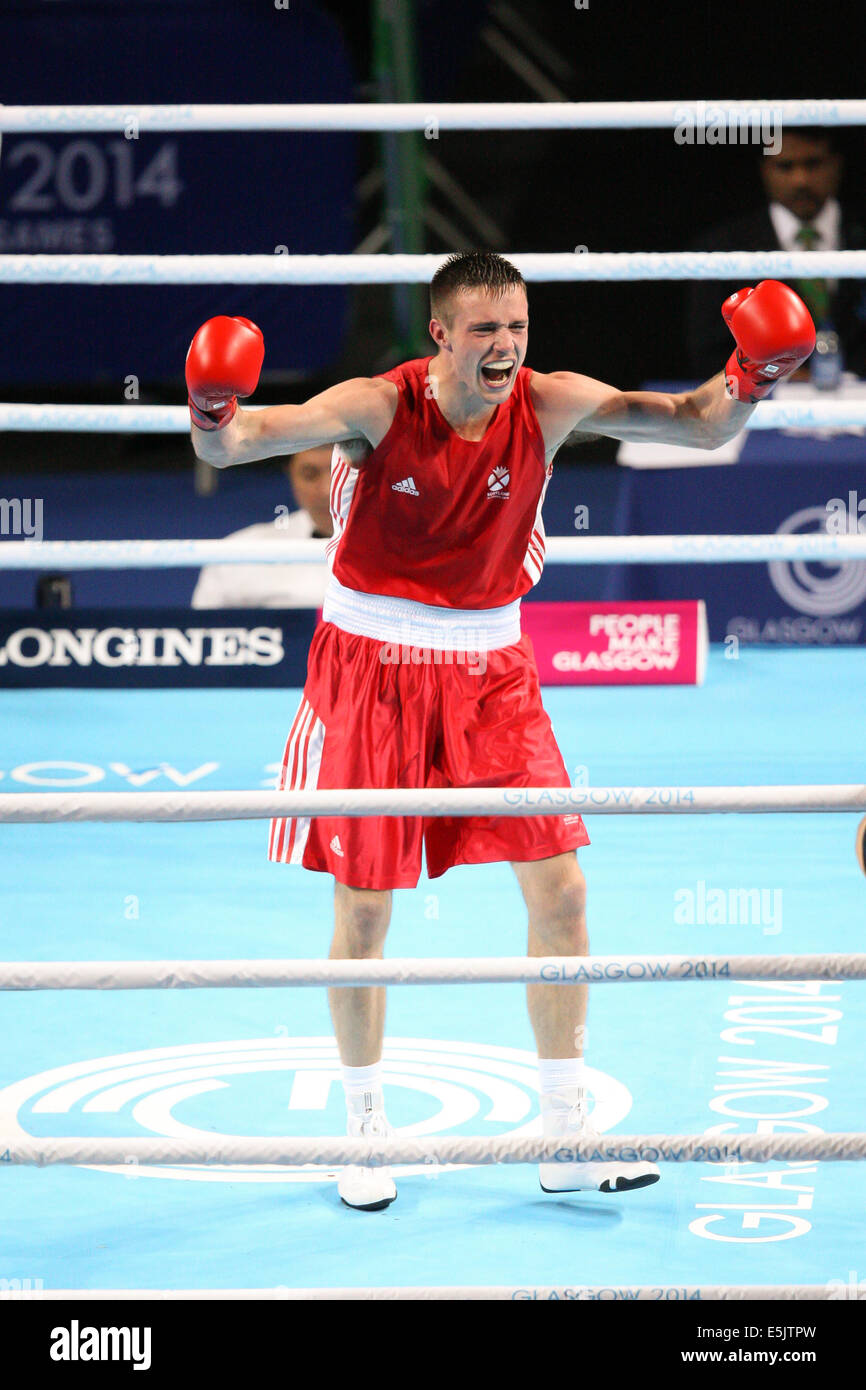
608,190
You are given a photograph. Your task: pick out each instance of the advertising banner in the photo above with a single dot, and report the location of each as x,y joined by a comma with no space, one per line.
618,643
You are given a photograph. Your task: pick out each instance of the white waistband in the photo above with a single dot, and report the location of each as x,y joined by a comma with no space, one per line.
421,624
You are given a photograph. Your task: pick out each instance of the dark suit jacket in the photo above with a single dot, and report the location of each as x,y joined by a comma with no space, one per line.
709,339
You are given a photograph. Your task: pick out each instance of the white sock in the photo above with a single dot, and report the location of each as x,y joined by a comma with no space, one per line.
561,1087
363,1087
557,1074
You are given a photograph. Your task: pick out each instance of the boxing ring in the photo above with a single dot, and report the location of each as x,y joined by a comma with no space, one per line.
168,1057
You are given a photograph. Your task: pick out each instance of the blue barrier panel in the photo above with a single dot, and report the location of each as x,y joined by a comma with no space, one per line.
169,194
791,481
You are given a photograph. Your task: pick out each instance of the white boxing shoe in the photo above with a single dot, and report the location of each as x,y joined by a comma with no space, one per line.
367,1189
565,1117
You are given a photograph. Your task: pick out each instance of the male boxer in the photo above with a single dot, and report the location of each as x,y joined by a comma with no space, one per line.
419,676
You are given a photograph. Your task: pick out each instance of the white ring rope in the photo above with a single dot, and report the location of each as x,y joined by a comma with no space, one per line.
174,419
552,970
560,550
42,1150
499,115
278,269
601,1293
41,807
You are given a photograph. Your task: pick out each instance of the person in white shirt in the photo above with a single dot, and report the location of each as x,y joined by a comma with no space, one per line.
801,183
278,586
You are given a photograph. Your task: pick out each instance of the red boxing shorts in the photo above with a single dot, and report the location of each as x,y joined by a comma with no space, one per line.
369,719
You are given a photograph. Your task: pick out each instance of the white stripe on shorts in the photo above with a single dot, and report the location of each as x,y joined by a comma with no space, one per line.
300,772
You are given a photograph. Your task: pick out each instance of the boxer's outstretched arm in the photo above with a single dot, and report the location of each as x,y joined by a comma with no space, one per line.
774,335
362,408
224,361
704,418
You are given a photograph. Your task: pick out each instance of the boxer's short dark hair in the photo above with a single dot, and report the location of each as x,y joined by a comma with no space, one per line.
470,270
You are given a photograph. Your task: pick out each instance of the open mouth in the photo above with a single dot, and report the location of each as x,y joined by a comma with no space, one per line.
498,374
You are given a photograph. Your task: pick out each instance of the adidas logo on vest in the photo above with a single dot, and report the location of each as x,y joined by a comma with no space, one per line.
408,486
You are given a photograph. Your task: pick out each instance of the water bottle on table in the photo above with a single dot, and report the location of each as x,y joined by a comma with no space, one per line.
825,365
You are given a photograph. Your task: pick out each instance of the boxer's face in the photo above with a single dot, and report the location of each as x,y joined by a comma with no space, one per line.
310,476
486,333
802,176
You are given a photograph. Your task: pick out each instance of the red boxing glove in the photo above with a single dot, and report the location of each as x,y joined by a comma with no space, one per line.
224,361
775,334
